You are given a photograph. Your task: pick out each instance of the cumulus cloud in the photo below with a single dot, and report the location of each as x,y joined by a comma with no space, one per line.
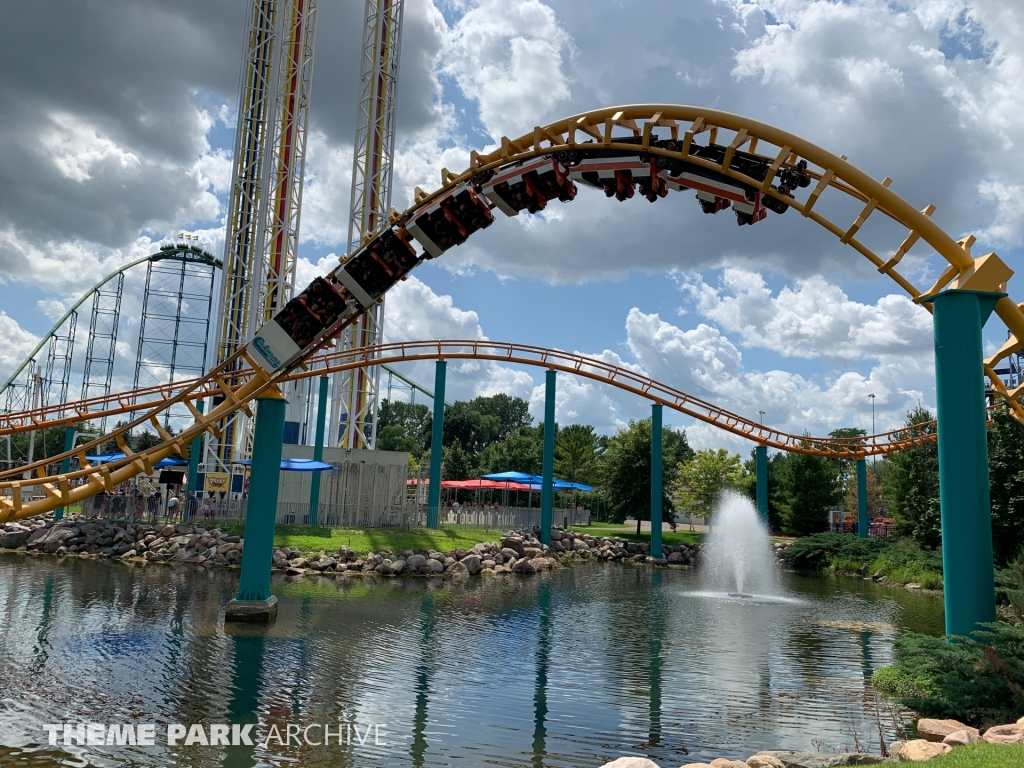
703,362
509,57
17,344
813,318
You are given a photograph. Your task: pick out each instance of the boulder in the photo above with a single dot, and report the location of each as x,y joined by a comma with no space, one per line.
435,566
936,730
524,566
457,569
675,557
763,761
513,543
580,545
960,738
416,561
472,563
398,566
531,553
722,762
1004,734
14,539
697,765
630,762
919,750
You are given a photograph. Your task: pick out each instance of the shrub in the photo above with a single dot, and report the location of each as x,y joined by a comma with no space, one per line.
817,552
977,680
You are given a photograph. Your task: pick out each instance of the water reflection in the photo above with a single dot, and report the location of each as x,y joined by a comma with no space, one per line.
573,668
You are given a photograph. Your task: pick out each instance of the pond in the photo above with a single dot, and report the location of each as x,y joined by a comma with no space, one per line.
571,668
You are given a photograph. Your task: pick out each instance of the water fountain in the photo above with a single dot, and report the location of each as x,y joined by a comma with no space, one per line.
739,560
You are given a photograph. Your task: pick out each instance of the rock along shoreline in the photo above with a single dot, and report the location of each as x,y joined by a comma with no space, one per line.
517,552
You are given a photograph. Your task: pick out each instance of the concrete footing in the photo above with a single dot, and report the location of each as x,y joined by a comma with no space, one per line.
252,611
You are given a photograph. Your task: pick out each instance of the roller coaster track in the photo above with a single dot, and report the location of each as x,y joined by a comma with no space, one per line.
505,352
172,252
733,146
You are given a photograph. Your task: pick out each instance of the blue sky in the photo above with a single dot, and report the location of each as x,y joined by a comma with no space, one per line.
778,317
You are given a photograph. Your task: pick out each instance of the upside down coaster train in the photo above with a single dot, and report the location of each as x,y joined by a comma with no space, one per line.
728,161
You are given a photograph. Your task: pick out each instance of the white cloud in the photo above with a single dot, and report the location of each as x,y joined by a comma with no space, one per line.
78,151
703,362
15,344
813,318
509,56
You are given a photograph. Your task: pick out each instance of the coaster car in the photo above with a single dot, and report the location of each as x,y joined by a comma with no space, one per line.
377,266
529,185
450,220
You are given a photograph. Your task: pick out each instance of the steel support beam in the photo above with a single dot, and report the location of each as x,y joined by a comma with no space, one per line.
968,572
436,451
761,470
862,499
547,488
254,602
656,481
318,451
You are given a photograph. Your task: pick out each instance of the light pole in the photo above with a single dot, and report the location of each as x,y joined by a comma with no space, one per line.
761,413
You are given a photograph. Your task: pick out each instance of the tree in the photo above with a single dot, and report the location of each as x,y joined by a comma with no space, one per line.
522,451
404,427
912,483
484,421
146,440
809,489
575,453
1006,485
703,478
458,463
626,470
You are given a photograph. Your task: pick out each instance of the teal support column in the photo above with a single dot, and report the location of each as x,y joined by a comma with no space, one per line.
254,601
65,464
194,449
968,573
547,488
862,498
318,450
761,470
436,438
656,481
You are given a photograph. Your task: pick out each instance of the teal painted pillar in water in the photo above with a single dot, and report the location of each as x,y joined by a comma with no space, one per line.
761,474
436,440
862,498
968,573
254,601
65,464
547,488
194,449
318,451
656,480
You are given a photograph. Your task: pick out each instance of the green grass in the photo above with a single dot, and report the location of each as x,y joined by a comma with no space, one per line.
981,756
628,532
362,540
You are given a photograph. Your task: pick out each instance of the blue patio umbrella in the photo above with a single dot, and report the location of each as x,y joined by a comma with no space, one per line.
106,458
296,465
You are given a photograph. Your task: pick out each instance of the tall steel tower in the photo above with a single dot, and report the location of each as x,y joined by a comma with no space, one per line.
355,393
266,190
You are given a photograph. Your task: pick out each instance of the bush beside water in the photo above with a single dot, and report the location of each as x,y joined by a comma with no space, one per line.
977,680
901,561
